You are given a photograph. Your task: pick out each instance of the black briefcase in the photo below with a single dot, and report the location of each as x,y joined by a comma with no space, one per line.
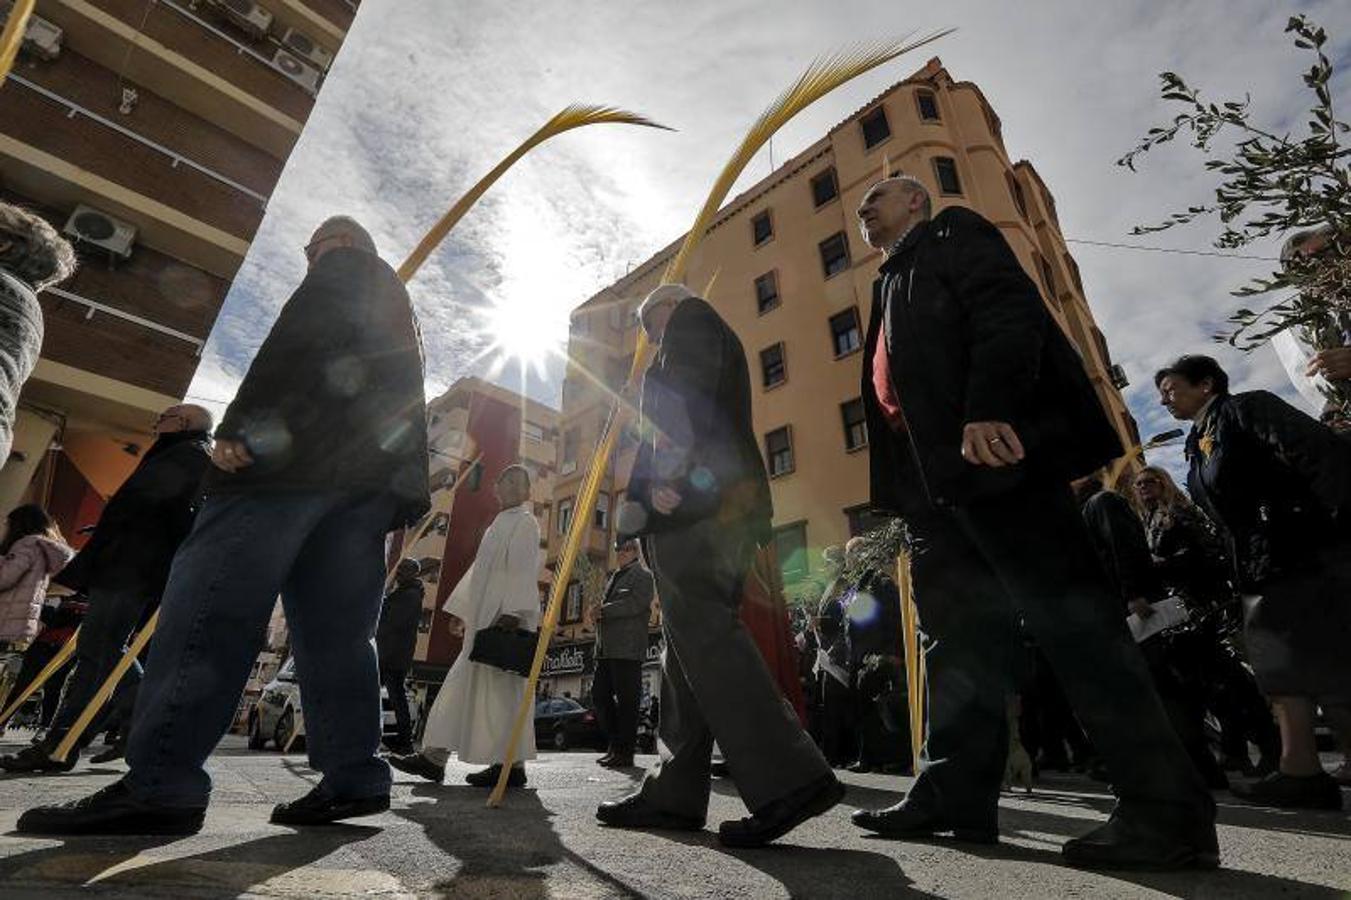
509,649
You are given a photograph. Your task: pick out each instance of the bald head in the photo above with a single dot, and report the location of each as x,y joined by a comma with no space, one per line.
336,232
513,486
891,207
184,417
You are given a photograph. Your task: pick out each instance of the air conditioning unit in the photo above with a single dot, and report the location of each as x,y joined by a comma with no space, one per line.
303,45
42,38
98,229
302,74
1119,377
247,15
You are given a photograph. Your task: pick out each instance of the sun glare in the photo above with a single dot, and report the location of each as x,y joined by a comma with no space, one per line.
526,335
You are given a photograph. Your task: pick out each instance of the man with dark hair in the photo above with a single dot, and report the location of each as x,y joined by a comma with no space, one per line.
322,452
980,413
1196,369
699,497
123,569
395,641
621,647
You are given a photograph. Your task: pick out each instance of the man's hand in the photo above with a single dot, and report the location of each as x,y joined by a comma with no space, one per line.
231,456
1334,364
456,627
665,500
1141,608
993,444
511,623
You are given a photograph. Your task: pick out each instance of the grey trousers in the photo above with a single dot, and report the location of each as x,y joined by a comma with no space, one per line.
714,682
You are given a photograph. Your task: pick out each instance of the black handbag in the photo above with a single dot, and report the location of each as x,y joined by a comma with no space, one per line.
509,649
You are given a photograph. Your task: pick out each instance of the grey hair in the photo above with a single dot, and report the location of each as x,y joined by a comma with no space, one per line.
914,184
1290,249
348,226
515,469
201,414
666,293
35,254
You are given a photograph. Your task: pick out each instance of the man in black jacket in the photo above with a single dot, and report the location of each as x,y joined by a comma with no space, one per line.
395,641
322,452
980,413
124,566
621,647
700,498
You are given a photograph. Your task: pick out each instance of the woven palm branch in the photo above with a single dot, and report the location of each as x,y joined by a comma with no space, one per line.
12,37
575,116
824,75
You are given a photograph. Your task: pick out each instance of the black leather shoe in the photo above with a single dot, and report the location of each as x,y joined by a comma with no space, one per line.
859,767
910,820
112,810
783,815
487,778
34,759
112,753
635,812
419,765
318,808
1319,791
1127,843
719,769
618,761
604,761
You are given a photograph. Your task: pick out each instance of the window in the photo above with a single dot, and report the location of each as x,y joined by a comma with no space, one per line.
572,604
773,366
533,432
572,440
542,514
855,424
863,520
564,515
1016,190
779,450
825,188
581,325
945,167
790,544
845,335
600,519
1050,206
1047,275
1074,272
762,228
834,254
928,106
875,128
616,317
766,292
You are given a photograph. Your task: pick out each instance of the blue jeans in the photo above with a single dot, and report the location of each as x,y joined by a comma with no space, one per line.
323,551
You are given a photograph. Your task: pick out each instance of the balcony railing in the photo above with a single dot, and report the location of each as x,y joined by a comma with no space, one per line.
96,307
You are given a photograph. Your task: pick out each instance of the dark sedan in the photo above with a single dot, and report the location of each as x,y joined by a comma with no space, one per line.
563,723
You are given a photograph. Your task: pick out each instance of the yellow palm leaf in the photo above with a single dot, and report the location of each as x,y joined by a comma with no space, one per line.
12,37
821,77
574,116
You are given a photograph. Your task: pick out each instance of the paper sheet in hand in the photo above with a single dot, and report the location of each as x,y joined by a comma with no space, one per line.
1167,614
1295,356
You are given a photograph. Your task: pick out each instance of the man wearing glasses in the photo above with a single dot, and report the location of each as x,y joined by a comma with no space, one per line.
123,569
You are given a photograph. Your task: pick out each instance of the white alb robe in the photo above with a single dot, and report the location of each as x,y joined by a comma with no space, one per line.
476,707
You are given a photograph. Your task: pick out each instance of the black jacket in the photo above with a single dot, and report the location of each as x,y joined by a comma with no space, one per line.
396,635
621,625
1189,555
696,434
873,620
1118,536
1274,479
969,339
334,397
145,520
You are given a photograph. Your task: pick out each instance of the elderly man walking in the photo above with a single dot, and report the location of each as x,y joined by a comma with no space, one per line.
322,452
980,413
123,569
621,647
699,497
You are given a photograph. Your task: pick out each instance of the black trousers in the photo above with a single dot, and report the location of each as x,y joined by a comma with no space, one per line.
1028,550
616,691
394,681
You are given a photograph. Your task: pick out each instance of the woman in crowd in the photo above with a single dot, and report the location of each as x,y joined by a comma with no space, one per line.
1279,484
31,552
1189,557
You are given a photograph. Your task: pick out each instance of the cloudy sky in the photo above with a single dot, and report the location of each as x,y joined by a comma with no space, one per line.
428,94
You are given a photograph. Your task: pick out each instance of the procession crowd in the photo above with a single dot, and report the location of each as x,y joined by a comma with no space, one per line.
1164,640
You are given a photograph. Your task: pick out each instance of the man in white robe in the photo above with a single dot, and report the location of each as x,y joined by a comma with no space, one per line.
476,707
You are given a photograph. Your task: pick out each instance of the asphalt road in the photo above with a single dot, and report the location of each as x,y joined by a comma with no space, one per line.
443,842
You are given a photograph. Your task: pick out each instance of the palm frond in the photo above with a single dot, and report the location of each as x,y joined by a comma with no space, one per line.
574,116
12,37
824,75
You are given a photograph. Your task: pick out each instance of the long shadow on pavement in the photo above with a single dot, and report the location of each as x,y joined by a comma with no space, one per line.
72,862
502,852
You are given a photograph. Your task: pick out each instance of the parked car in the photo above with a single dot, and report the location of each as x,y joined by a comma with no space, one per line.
277,716
562,723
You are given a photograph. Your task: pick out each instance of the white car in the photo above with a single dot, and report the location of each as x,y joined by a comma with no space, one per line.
277,715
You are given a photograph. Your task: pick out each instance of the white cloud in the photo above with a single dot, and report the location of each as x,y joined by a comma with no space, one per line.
421,102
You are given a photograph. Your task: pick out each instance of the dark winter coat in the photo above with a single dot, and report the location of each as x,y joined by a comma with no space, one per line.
1189,555
1276,481
396,635
873,620
20,344
145,520
969,339
1118,536
621,626
697,436
334,397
